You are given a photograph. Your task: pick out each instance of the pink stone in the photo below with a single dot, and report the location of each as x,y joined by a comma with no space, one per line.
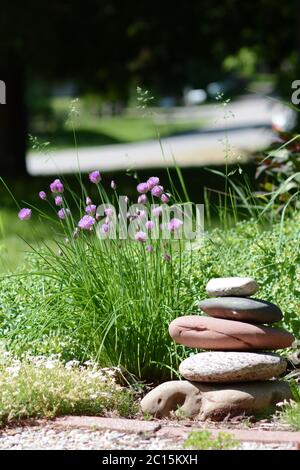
218,334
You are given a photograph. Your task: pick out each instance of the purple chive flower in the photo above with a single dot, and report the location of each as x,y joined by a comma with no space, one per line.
108,212
149,225
153,181
105,228
165,198
142,199
167,257
141,237
157,191
58,200
142,188
63,213
157,211
86,223
95,177
91,209
88,201
57,186
42,195
149,248
24,214
113,185
174,224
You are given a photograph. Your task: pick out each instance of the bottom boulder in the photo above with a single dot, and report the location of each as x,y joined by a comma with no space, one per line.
214,401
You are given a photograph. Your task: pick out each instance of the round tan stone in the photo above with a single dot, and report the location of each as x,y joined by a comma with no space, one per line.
219,335
214,401
231,366
231,286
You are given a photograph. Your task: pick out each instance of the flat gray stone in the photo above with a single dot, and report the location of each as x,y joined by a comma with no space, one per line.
229,286
225,366
241,309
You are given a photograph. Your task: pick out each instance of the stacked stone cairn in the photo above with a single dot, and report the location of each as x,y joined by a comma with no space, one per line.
237,376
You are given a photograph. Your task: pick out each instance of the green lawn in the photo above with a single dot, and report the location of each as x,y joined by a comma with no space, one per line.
13,233
92,129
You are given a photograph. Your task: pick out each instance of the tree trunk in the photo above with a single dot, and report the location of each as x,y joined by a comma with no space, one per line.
13,125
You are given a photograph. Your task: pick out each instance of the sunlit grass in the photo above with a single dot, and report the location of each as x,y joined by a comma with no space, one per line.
114,302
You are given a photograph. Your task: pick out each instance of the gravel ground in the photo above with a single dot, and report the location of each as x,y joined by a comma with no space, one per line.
47,437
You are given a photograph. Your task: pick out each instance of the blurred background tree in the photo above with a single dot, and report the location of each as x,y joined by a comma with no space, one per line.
107,47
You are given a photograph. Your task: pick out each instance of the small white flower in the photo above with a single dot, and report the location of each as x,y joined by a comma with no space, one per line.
14,370
89,363
49,365
71,364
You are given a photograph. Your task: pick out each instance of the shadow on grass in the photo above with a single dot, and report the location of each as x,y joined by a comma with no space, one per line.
85,137
64,138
